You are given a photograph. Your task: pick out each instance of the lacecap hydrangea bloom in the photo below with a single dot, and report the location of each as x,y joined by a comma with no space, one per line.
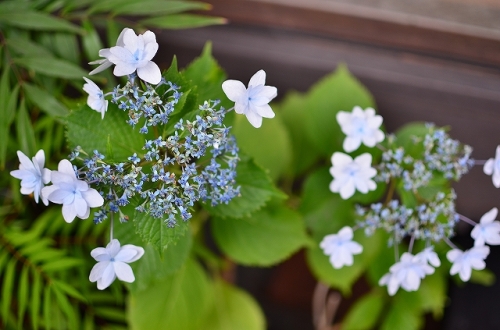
487,231
95,100
492,167
360,126
350,175
33,175
340,247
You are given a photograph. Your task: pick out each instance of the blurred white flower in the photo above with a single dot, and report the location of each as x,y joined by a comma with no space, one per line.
252,102
105,62
32,174
360,127
487,230
429,256
340,247
75,195
95,100
465,261
407,273
136,55
350,175
492,167
113,262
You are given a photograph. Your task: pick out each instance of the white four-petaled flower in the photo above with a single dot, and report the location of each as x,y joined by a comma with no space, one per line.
465,261
136,54
75,195
487,231
360,127
407,273
350,175
95,99
105,62
252,101
32,174
340,247
429,256
492,167
113,262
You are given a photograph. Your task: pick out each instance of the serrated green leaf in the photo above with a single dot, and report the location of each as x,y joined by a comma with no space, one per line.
86,129
36,296
32,20
22,295
256,189
156,232
335,92
90,40
45,101
265,238
155,8
269,146
364,314
293,111
28,48
182,299
182,21
25,133
52,67
7,288
232,309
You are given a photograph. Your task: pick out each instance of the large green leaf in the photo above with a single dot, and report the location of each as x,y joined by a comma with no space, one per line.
25,133
52,67
156,232
402,315
178,301
37,21
182,21
269,145
158,7
86,129
45,100
339,91
256,189
233,309
265,238
364,314
27,47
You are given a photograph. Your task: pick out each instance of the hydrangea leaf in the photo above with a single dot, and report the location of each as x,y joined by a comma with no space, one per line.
233,308
265,238
365,312
269,145
344,278
256,189
402,315
86,129
293,112
177,301
156,232
335,92
405,137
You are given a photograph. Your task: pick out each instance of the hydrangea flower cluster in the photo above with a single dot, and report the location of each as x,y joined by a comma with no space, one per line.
193,159
430,216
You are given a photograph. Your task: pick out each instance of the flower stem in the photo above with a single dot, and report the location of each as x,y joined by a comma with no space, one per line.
479,162
465,219
447,241
112,216
412,240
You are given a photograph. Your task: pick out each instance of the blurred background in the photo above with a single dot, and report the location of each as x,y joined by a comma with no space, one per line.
426,60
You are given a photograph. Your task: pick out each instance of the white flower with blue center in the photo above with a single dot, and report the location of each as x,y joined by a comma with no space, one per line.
32,174
113,262
360,127
75,195
407,273
487,231
429,256
252,101
465,261
492,167
95,100
106,53
341,248
350,175
136,55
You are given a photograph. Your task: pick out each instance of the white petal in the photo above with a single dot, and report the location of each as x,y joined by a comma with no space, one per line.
465,273
67,168
150,51
130,40
25,161
489,166
98,270
259,78
364,160
124,272
347,190
264,111
345,233
69,212
254,119
351,143
107,278
93,198
139,252
234,90
150,73
496,179
340,159
149,37
453,255
81,207
123,69
99,251
113,247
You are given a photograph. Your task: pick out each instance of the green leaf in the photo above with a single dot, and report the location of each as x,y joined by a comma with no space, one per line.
337,91
36,296
52,67
47,307
7,288
181,300
25,133
61,264
69,290
293,112
45,101
155,8
91,41
269,146
233,309
8,104
66,46
265,238
103,6
256,189
182,21
156,232
64,304
28,48
38,21
87,130
484,277
22,295
364,313
402,316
